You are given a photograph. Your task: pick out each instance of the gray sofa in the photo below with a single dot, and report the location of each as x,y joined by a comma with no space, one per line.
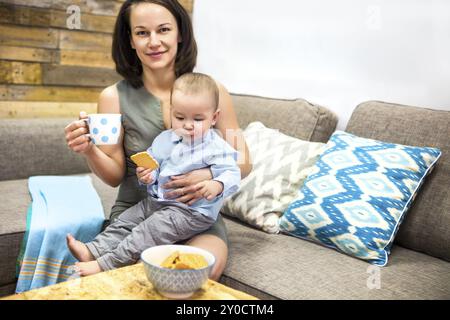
266,265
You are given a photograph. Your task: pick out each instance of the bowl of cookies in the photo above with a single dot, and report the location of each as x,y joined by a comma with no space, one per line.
177,271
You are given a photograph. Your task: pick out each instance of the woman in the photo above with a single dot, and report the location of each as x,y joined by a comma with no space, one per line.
153,44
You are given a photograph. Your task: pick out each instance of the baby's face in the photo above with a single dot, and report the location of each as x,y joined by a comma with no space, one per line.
192,115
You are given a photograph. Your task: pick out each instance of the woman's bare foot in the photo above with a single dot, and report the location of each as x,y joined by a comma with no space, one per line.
87,268
79,249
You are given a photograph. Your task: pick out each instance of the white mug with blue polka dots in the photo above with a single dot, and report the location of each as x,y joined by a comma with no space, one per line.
104,128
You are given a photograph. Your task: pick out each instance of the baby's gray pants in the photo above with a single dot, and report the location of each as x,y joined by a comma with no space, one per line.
148,223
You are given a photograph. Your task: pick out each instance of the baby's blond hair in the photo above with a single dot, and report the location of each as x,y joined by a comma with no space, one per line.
194,83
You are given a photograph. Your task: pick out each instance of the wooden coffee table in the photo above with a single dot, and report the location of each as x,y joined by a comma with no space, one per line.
124,283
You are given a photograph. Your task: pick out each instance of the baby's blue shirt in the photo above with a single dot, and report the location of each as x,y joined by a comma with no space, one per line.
177,157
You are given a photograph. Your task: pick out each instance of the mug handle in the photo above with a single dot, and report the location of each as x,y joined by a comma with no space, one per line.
89,132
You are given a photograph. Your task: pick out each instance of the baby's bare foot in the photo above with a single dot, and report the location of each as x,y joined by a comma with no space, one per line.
87,268
79,249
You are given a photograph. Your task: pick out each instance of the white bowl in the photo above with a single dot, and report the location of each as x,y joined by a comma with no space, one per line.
175,283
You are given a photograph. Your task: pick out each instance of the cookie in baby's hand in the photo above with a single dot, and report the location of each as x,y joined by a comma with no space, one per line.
145,160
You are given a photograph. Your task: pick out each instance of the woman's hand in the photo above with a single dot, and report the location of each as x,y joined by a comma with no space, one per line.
185,186
77,135
144,175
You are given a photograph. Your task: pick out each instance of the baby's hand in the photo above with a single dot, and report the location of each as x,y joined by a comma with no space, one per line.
144,175
210,189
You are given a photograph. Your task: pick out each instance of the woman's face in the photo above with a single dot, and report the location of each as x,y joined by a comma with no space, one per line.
154,36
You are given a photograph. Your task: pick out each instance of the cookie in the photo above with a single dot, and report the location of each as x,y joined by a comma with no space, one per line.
192,261
170,260
143,159
179,260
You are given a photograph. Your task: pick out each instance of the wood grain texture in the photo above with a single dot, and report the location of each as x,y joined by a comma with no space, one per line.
79,40
42,60
49,93
13,72
31,3
28,54
21,15
21,36
42,17
187,4
97,7
89,22
44,109
121,284
78,76
99,59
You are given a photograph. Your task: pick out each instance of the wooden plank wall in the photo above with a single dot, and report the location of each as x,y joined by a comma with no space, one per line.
49,70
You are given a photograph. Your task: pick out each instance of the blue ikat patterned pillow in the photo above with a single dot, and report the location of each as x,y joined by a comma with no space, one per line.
358,194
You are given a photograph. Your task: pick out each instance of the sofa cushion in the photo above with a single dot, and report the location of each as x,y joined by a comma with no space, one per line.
296,118
426,227
35,140
280,165
13,214
358,194
285,267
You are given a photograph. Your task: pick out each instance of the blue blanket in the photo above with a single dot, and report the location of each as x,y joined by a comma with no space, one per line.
60,205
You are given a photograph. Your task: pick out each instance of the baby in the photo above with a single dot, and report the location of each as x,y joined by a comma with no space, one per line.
191,144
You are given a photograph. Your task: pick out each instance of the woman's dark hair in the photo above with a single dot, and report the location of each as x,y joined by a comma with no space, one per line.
127,62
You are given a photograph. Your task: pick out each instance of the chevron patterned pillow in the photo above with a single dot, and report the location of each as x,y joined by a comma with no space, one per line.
280,165
358,194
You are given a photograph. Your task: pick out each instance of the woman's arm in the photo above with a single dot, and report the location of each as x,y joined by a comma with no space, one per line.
106,161
229,127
